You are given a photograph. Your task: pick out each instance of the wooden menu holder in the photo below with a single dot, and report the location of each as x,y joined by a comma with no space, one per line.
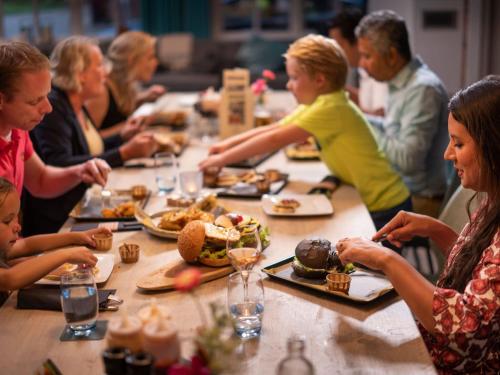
237,102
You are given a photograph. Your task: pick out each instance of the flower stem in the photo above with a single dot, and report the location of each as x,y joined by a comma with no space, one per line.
201,313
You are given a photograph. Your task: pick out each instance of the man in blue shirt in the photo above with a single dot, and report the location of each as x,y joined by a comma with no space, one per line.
413,134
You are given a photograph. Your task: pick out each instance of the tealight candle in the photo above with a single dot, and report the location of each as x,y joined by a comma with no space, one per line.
191,183
162,341
125,331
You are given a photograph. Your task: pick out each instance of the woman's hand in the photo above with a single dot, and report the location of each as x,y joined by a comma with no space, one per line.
133,126
85,238
213,161
152,93
80,255
403,227
364,251
142,145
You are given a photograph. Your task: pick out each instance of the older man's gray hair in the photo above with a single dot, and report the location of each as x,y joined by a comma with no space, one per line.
385,29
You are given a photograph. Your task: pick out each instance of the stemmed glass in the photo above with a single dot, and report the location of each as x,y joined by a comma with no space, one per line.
244,253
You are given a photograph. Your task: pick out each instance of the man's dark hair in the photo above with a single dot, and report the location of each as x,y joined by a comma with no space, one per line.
346,21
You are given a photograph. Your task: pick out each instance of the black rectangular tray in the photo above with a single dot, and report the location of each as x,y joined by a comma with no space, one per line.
365,286
250,191
90,206
253,161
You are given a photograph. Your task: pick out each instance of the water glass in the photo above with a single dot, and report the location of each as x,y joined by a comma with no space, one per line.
166,172
79,299
191,183
246,311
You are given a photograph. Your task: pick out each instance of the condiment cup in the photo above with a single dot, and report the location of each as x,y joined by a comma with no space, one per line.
263,185
139,192
338,282
129,252
103,241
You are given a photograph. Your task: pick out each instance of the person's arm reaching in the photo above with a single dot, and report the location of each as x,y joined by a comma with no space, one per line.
273,139
411,286
406,225
46,181
235,140
31,270
45,242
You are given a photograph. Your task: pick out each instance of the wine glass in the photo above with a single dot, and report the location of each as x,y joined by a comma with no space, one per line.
245,252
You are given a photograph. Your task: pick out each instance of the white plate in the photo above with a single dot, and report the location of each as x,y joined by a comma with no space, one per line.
105,262
310,204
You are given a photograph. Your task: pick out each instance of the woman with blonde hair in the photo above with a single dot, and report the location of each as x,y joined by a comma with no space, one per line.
133,61
67,135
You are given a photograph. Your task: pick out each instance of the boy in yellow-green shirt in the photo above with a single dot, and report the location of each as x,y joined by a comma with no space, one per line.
317,71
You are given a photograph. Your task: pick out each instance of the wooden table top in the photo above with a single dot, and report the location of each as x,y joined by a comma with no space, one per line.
341,336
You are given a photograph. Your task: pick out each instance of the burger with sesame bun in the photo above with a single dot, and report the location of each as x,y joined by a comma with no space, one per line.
206,243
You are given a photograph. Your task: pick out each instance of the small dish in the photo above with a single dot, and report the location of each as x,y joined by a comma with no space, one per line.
103,241
129,252
338,282
309,205
139,192
105,264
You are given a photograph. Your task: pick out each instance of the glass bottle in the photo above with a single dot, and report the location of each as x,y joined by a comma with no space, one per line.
295,363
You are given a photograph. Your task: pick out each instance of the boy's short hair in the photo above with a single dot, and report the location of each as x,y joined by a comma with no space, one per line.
70,57
5,187
17,58
318,54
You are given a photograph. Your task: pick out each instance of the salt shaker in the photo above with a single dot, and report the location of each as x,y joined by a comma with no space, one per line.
295,363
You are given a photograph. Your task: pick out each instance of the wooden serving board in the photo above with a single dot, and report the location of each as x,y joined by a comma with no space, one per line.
164,277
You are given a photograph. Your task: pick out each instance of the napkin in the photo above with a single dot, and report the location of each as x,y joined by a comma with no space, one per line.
327,186
48,298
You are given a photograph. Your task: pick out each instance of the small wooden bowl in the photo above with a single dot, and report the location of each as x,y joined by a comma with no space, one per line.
103,241
338,282
263,185
273,175
139,192
129,252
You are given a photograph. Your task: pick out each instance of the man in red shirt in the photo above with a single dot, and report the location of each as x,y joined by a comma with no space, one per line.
25,82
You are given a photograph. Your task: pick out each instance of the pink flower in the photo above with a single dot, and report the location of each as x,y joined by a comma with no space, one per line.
259,86
268,74
187,280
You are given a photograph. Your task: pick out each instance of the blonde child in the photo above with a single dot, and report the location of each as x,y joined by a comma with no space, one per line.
317,69
11,247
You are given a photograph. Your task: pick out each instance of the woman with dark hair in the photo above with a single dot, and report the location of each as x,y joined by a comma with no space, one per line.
460,316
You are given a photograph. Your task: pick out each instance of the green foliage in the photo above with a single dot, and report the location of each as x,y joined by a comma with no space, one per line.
217,343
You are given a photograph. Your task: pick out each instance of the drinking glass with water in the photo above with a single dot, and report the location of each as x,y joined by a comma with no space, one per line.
166,172
79,300
246,311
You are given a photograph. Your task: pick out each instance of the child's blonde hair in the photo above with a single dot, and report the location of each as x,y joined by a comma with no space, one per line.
6,187
318,54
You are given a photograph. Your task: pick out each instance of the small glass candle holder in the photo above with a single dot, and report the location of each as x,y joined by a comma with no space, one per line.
191,183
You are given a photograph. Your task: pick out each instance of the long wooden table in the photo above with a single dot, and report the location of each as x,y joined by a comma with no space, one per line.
341,336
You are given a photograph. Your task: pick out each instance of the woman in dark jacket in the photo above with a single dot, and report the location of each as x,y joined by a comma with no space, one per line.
67,135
